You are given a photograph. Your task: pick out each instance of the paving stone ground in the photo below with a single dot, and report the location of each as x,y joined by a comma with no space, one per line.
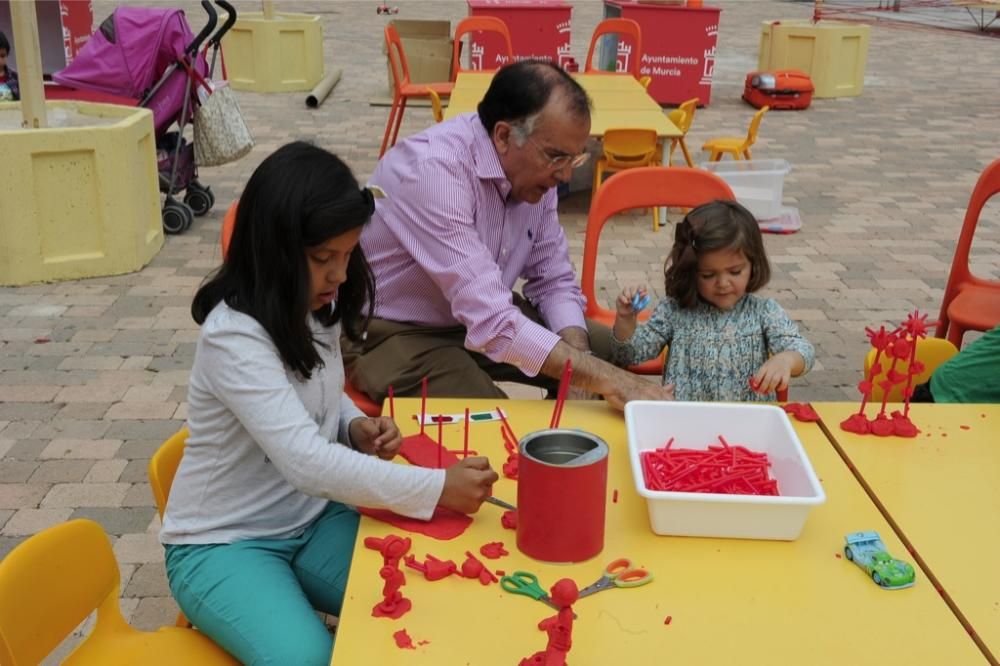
881,180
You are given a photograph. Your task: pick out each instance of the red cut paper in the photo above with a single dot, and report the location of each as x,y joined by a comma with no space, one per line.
422,451
444,525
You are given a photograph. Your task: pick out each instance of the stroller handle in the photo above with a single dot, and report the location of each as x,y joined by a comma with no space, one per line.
213,20
229,22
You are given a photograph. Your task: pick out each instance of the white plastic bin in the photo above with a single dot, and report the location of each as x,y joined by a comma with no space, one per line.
757,184
763,428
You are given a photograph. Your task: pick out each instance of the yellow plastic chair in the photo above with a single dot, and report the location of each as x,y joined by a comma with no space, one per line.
436,105
162,469
932,352
53,581
738,147
682,117
627,149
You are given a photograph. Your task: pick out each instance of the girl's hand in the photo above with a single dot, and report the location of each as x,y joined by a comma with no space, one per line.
467,484
625,305
376,435
773,375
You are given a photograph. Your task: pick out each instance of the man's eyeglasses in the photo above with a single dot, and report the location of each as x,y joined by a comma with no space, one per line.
560,162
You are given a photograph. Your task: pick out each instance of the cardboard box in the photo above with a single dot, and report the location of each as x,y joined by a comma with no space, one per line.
427,45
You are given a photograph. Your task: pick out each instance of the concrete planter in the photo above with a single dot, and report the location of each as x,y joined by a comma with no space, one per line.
281,54
81,199
833,54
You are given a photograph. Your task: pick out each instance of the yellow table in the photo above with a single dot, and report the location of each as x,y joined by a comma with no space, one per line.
731,601
942,489
619,101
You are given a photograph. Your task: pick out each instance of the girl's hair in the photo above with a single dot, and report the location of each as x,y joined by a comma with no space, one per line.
299,197
718,225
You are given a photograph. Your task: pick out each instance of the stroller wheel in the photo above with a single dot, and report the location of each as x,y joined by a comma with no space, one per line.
199,198
177,217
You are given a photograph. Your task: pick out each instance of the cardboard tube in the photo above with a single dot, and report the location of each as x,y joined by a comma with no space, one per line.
322,89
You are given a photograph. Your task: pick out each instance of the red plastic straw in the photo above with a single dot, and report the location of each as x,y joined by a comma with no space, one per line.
465,447
392,405
505,425
423,402
561,395
729,469
440,439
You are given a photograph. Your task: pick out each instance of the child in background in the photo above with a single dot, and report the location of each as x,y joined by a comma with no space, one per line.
724,342
9,90
259,528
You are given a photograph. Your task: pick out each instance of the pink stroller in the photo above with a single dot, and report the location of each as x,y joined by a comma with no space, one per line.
151,56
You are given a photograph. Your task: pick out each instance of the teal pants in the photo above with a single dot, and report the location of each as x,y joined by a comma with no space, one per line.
258,599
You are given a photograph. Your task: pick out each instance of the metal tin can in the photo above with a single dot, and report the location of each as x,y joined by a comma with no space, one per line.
561,495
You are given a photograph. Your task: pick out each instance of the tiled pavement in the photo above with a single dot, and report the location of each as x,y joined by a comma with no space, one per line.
881,180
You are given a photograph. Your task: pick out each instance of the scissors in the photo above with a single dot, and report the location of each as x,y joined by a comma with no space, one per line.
640,301
522,582
500,503
620,573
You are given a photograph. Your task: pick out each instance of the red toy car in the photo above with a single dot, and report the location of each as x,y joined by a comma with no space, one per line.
779,89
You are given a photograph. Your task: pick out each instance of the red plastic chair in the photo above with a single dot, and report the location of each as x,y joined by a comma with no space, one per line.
970,303
623,28
363,402
472,24
402,88
641,187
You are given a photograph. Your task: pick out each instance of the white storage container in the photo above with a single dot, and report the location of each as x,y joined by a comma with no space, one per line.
757,184
762,428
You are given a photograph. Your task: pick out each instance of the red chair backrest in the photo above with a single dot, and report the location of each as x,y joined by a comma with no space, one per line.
623,28
397,59
642,187
987,186
472,24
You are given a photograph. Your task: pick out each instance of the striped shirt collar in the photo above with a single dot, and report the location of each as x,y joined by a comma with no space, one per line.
484,153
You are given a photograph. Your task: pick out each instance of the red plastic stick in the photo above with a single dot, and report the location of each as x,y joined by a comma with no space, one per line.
564,382
506,424
392,405
440,440
423,402
465,447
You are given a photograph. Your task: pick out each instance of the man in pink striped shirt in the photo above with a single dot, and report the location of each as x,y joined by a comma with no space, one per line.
470,209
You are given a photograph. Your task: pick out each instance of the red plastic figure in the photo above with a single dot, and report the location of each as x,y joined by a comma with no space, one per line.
432,568
473,568
509,520
899,345
392,548
558,627
493,550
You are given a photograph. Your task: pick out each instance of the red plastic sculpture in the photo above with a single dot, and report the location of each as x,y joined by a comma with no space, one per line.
493,550
392,548
558,627
509,520
473,568
432,568
898,345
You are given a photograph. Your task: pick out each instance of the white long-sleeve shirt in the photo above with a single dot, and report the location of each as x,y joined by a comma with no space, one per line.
264,457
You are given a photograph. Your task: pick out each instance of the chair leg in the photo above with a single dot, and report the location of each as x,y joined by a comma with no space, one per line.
670,153
955,335
399,120
716,156
656,218
598,172
687,155
746,154
388,128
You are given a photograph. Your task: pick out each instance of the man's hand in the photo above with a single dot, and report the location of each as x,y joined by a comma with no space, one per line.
376,435
637,389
